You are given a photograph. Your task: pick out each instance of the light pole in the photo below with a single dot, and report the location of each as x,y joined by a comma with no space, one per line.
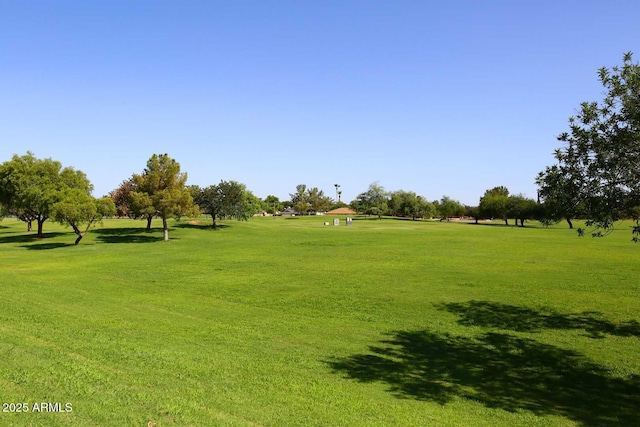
337,192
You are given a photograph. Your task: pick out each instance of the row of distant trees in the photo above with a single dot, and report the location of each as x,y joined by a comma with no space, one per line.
35,190
495,203
596,177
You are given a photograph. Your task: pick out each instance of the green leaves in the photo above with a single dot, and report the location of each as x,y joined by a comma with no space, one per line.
30,187
161,190
307,200
77,207
228,199
597,170
374,201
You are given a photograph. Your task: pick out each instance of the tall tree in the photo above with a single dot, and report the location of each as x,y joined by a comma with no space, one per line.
600,157
161,190
121,197
272,204
229,199
318,202
447,207
522,208
300,199
374,201
495,204
29,187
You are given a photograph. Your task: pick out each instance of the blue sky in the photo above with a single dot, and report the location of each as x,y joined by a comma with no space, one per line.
440,98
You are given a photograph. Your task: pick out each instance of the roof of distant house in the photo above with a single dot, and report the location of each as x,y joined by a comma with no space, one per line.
341,211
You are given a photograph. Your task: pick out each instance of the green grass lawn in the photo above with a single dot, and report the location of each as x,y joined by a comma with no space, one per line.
289,322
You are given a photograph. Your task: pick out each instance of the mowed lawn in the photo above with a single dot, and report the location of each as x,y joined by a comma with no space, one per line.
277,322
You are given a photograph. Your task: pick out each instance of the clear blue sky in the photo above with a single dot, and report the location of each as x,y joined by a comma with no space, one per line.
440,98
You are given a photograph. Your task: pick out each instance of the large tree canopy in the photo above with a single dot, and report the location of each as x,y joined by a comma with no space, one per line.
409,204
309,200
447,207
160,190
77,208
522,208
229,199
272,204
374,201
30,187
495,204
598,167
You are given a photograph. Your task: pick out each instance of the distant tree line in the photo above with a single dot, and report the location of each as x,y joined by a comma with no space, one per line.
496,203
34,190
596,177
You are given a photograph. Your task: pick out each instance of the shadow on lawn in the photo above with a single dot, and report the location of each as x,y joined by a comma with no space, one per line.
46,246
127,235
522,319
500,371
26,238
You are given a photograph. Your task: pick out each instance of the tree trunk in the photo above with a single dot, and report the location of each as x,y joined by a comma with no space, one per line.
476,220
80,236
40,224
506,221
214,224
149,218
165,229
78,232
570,223
29,226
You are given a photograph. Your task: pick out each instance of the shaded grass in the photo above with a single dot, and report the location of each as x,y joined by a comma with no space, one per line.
275,322
500,371
27,238
523,319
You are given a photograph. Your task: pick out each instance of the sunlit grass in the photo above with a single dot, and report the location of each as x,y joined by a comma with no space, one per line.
266,323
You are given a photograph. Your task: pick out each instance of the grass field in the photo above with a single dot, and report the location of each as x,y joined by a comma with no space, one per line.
288,322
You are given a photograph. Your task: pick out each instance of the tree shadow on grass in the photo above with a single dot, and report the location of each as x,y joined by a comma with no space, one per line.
500,371
26,238
523,319
46,246
127,235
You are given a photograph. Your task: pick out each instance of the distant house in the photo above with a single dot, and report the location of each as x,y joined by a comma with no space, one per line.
341,211
289,212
